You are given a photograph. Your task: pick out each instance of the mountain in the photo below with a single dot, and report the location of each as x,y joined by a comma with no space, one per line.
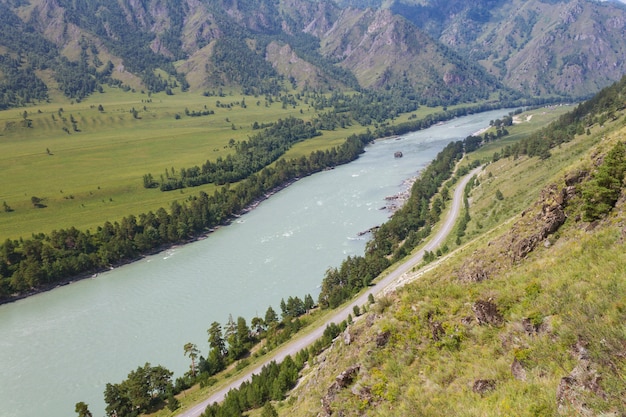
559,47
438,52
385,51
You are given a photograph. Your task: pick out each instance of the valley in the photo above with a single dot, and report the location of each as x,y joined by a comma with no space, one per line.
129,129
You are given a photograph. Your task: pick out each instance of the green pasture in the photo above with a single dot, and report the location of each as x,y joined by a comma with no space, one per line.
86,160
92,171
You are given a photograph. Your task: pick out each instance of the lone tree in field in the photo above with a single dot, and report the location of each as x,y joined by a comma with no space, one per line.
37,202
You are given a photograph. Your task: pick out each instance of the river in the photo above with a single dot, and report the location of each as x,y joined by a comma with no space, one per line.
61,347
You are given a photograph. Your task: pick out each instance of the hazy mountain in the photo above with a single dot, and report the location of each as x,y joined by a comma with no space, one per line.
442,51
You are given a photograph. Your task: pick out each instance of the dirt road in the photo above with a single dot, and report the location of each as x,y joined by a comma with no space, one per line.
299,343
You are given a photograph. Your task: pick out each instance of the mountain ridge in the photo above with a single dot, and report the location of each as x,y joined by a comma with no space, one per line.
452,53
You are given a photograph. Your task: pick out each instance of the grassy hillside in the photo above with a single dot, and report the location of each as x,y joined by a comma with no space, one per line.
537,333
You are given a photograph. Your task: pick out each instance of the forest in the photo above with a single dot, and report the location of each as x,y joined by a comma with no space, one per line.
250,156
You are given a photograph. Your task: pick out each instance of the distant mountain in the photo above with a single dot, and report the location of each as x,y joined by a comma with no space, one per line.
543,47
440,52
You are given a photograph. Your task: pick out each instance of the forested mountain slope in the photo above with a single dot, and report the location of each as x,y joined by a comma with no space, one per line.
432,49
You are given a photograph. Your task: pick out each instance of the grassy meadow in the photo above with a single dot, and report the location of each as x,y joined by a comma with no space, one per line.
87,164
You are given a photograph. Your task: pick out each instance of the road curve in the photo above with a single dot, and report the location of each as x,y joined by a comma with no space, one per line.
297,344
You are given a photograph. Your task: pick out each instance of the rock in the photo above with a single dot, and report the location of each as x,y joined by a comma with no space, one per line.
327,399
518,371
546,325
570,394
382,338
475,270
486,312
341,381
529,327
364,393
483,386
575,177
437,330
545,217
346,377
347,338
581,349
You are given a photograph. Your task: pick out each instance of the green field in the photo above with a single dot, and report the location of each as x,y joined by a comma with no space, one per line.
92,175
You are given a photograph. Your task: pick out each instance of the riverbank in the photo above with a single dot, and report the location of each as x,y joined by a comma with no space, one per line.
92,274
351,149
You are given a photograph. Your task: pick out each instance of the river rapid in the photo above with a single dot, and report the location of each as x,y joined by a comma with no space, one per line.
61,347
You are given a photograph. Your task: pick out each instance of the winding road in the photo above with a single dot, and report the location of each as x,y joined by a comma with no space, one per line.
392,279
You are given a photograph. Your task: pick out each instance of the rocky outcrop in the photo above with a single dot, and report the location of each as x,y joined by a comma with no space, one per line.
534,227
382,338
486,313
342,381
518,371
582,381
346,377
483,386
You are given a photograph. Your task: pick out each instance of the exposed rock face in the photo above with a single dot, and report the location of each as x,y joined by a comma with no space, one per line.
518,371
341,381
381,48
437,330
486,312
346,377
382,339
583,379
535,225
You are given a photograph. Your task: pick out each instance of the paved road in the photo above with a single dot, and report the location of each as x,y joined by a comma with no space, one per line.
296,345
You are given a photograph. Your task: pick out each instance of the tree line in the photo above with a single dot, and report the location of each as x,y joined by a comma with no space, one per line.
395,238
249,157
601,108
